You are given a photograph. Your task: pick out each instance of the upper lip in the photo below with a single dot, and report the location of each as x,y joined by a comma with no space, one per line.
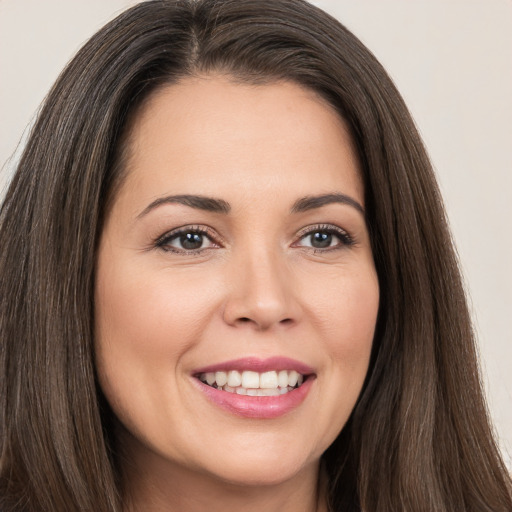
259,365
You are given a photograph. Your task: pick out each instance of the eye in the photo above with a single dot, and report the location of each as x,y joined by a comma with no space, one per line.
324,237
186,240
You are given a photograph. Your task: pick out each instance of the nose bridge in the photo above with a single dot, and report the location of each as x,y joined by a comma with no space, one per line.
260,291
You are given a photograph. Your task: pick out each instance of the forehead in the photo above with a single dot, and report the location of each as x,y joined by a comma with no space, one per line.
213,136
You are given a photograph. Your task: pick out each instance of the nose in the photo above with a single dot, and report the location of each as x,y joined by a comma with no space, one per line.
261,293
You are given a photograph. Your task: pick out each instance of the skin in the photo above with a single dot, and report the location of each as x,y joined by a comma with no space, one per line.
257,287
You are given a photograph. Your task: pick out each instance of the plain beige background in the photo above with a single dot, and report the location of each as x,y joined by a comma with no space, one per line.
452,61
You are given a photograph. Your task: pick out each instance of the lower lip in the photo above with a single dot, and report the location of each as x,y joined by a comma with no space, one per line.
261,407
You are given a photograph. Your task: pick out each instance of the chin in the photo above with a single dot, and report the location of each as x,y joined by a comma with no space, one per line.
263,467
261,474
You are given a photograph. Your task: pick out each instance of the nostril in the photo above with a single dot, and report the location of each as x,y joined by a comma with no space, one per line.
245,320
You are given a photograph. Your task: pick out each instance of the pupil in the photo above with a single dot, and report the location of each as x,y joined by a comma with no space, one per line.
191,240
321,239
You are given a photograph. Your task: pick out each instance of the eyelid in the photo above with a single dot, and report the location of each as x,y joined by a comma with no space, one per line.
162,241
345,238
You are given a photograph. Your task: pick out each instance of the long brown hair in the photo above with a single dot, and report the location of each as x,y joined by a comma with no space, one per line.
419,438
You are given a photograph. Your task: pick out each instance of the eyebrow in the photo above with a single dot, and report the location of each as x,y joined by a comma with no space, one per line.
211,204
208,204
312,202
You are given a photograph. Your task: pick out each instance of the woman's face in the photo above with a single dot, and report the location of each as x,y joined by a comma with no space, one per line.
235,254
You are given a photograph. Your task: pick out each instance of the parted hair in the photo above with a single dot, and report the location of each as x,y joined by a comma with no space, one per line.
419,438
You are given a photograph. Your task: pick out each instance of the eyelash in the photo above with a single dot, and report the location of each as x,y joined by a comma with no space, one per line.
345,239
164,241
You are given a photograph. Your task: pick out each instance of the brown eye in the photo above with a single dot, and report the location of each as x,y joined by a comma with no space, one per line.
187,240
321,239
191,241
324,237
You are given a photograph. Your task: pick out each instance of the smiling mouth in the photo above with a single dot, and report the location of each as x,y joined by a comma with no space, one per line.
251,383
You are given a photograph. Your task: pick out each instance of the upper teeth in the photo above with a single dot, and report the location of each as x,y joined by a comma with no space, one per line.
254,380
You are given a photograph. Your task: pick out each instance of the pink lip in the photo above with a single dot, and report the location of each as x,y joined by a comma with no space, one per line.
257,365
261,407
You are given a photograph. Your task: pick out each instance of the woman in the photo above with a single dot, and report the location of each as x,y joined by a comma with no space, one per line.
220,200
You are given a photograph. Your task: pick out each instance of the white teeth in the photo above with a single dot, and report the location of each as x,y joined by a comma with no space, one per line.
269,392
221,378
272,383
282,379
293,376
250,380
268,380
234,379
256,392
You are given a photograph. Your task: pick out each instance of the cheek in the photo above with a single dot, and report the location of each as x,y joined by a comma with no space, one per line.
346,314
145,322
351,339
149,313
344,306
